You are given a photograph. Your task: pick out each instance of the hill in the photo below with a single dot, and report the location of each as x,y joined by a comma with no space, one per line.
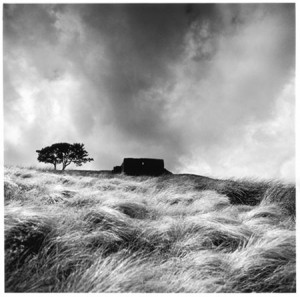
85,231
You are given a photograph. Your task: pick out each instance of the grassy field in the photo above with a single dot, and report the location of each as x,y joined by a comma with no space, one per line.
97,232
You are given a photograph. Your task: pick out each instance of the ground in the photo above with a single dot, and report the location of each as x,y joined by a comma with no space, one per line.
86,231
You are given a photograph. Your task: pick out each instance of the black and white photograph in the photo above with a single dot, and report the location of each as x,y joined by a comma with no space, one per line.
149,147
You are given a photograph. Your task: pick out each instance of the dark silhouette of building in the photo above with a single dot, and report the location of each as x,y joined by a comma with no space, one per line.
143,166
117,169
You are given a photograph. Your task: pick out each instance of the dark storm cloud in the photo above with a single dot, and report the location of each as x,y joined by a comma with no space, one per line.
140,42
191,83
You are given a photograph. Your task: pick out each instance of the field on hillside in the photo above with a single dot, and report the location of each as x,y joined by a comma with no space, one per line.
99,232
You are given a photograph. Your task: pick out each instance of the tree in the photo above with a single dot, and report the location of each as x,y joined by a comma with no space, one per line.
64,153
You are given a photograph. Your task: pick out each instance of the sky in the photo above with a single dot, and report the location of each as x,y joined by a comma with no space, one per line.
209,88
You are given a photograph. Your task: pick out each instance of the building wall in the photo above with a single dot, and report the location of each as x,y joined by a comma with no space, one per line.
143,166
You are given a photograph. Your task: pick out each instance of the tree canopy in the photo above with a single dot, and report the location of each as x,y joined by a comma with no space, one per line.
64,153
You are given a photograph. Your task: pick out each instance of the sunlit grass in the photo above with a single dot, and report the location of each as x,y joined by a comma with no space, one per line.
98,232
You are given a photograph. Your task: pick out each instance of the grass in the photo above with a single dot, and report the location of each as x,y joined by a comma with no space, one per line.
97,232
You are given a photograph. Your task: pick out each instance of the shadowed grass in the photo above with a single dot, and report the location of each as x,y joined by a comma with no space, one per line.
26,232
283,196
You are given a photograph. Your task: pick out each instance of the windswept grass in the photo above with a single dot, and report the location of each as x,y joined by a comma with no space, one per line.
98,232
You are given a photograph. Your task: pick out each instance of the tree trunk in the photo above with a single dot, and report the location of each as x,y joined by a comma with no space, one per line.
54,166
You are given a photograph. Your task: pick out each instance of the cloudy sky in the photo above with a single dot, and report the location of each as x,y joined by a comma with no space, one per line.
208,88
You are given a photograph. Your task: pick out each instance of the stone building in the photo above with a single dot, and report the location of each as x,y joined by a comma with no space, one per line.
142,166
